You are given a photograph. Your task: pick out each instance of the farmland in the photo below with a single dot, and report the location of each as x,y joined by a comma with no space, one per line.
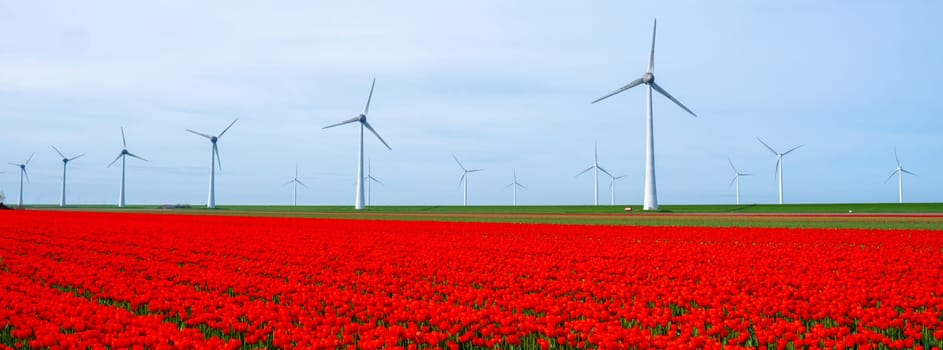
867,216
85,279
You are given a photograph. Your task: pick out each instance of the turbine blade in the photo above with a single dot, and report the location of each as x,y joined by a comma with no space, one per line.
462,179
896,158
734,179
666,94
633,84
651,58
208,137
369,97
908,172
77,157
219,162
509,185
123,140
116,159
135,156
745,174
371,178
30,158
14,164
521,186
459,163
57,151
583,172
776,171
604,171
793,149
227,128
348,121
288,183
731,165
475,170
25,173
377,135
767,146
890,176
619,177
301,183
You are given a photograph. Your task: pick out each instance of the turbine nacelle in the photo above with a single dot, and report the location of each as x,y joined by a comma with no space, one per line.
648,78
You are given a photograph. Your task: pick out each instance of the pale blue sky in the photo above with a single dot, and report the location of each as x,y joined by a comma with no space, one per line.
499,84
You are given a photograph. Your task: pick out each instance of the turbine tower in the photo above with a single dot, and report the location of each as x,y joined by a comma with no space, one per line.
297,182
123,155
362,118
370,179
612,188
596,168
778,173
514,185
214,162
19,201
65,162
900,171
651,198
464,180
736,178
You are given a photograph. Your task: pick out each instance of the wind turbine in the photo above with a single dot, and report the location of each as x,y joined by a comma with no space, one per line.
779,165
596,168
651,198
612,188
362,118
514,185
736,178
900,171
370,179
123,155
214,161
464,180
297,182
65,162
19,201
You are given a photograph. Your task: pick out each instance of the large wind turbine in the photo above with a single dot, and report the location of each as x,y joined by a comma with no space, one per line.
514,185
19,201
464,180
65,162
362,118
214,161
596,168
123,155
612,188
297,182
779,165
736,178
900,171
370,180
651,198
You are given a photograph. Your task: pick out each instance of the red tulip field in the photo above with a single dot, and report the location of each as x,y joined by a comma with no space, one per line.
154,281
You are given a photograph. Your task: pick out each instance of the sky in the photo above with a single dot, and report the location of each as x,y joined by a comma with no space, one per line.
502,85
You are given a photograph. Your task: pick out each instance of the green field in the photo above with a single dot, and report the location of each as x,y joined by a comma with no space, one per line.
871,216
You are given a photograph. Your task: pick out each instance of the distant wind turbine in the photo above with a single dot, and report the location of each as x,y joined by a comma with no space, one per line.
779,165
65,162
514,185
362,118
296,182
736,178
651,198
464,180
370,179
214,162
596,168
612,188
900,171
19,201
123,155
